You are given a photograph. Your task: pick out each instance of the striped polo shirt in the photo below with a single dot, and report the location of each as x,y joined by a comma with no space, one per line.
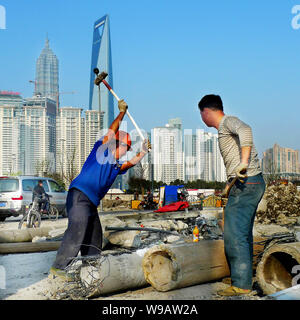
232,135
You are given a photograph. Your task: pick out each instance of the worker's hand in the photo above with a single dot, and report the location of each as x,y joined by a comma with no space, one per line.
146,146
122,105
224,192
224,202
241,171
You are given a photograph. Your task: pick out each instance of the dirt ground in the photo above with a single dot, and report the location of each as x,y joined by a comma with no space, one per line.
26,278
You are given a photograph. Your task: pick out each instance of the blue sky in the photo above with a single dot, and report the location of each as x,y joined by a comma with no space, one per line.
166,55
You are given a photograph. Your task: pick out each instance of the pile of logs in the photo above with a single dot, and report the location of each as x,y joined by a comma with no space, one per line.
280,205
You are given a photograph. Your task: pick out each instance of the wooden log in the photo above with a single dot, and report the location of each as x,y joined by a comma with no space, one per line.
167,267
278,268
25,247
26,235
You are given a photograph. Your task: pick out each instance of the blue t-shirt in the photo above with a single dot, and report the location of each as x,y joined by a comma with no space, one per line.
98,173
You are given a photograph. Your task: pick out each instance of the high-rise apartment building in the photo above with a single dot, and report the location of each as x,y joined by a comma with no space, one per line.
282,161
92,131
10,109
38,135
47,76
76,135
167,154
190,159
70,145
203,159
101,59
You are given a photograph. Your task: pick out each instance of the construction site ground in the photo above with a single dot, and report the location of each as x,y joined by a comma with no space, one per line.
27,277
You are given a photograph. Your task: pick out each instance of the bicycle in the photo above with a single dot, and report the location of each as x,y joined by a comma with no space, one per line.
32,218
52,212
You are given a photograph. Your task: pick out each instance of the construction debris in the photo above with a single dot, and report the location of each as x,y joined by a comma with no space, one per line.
167,267
25,247
111,273
280,205
279,267
26,235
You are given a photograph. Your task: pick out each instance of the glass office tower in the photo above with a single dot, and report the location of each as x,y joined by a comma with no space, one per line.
101,59
47,74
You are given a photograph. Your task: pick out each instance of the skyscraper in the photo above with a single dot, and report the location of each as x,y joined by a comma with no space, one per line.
38,135
167,154
10,109
101,59
47,74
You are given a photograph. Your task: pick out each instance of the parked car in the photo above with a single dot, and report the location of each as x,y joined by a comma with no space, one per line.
16,194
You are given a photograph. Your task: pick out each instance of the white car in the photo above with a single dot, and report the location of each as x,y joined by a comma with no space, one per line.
16,194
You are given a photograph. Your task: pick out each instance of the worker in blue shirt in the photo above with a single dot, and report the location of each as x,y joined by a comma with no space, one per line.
84,232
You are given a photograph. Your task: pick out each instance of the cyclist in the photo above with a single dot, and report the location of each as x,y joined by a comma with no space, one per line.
42,197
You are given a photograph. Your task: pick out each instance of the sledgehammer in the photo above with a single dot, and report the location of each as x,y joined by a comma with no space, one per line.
101,78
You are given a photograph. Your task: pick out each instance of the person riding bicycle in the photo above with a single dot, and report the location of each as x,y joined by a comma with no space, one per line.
42,197
149,198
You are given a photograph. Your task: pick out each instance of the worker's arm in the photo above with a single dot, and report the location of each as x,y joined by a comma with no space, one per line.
244,132
129,164
114,127
245,154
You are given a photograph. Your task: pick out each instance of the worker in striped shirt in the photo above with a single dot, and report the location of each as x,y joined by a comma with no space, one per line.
240,158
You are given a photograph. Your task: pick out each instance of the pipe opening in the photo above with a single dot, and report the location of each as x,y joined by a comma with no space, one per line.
278,270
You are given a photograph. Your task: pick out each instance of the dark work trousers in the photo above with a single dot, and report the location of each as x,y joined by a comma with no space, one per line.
84,232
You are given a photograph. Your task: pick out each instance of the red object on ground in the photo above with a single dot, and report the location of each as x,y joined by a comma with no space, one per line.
176,206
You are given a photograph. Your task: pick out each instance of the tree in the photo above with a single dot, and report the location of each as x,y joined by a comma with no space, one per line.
68,166
270,172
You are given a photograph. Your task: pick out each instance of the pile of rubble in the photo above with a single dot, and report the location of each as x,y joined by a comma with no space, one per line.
111,204
280,205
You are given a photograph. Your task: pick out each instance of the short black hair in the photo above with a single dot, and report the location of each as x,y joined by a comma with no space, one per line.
40,181
211,101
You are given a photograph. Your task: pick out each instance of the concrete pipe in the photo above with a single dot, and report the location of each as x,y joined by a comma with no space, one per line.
112,273
167,267
277,269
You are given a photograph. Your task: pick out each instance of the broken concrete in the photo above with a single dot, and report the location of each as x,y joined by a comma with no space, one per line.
111,273
280,205
167,267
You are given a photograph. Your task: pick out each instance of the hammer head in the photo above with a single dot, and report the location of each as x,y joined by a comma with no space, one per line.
100,78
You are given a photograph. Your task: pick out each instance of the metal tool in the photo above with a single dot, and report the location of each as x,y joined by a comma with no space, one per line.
101,78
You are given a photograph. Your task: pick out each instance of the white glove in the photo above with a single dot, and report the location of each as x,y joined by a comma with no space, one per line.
122,105
146,146
241,171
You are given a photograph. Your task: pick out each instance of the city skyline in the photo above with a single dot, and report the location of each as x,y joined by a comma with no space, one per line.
34,139
247,53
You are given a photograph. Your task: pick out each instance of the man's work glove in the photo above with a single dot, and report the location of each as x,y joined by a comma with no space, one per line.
122,105
241,171
146,146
